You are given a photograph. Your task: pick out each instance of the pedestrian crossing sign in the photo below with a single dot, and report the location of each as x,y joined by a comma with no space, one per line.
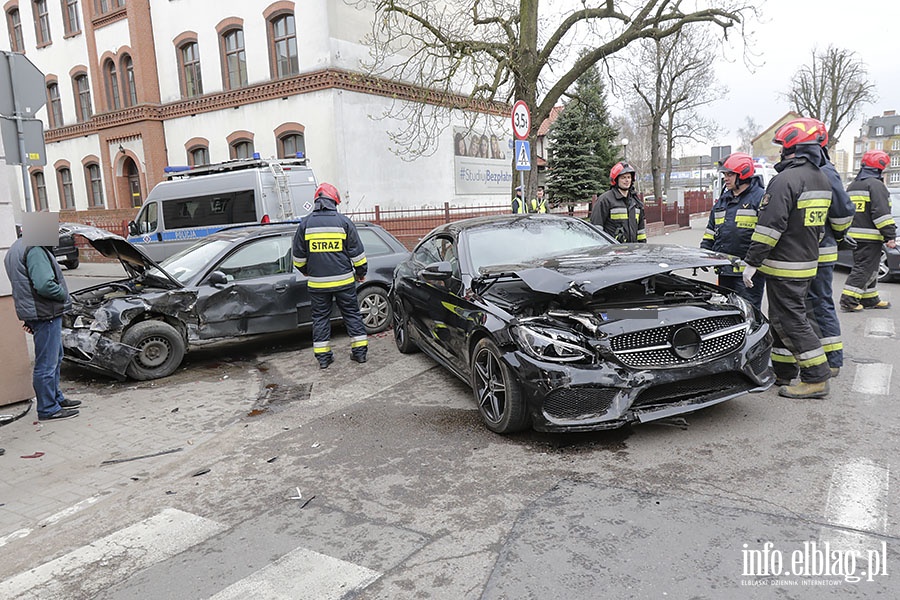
523,155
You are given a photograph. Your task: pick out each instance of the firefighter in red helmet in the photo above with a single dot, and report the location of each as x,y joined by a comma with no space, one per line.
732,222
785,246
872,226
327,249
619,211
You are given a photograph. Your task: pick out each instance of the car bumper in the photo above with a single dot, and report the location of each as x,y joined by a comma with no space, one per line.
607,396
93,351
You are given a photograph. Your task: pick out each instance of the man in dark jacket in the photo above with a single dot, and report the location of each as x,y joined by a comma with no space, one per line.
732,222
785,246
41,298
873,225
327,249
619,211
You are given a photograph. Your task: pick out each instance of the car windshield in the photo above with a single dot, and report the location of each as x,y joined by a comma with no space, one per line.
525,240
190,261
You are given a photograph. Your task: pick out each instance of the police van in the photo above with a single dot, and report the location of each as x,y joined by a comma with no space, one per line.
195,202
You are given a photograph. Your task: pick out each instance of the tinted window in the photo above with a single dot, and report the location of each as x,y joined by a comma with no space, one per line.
525,240
374,245
204,211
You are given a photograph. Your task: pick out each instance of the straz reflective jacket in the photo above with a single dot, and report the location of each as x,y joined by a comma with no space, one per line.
792,218
840,214
872,221
327,249
620,216
732,222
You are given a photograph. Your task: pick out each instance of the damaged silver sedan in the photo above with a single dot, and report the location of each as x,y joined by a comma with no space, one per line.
235,283
555,326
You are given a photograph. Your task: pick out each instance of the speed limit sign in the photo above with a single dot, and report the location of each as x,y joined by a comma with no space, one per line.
521,120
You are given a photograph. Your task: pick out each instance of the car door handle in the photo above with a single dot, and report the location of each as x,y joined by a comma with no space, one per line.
281,287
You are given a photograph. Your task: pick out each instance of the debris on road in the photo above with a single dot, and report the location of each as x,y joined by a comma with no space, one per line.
121,460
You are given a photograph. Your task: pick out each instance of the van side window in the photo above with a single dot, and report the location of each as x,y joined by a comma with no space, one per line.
148,219
216,209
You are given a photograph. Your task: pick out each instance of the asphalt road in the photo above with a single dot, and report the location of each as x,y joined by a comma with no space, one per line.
379,481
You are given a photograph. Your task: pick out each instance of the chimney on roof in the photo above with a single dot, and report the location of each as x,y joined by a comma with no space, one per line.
889,113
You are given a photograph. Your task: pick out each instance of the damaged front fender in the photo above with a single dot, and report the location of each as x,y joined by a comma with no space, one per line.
94,351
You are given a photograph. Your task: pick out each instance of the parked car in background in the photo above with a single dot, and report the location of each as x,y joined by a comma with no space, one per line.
889,267
238,282
557,327
66,252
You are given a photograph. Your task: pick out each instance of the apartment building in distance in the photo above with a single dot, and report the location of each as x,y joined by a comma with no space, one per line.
880,133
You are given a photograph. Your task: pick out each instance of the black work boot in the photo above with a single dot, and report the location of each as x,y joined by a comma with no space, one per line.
325,361
360,358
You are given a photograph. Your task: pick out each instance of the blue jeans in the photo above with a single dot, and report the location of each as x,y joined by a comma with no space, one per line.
48,354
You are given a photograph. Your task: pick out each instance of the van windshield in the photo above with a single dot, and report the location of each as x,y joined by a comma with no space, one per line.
186,264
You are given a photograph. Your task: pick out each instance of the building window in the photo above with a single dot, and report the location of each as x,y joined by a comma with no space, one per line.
66,195
189,55
128,80
71,19
40,191
112,86
896,129
894,177
879,145
895,160
14,23
41,23
242,149
895,145
859,148
284,46
879,131
95,185
290,144
235,59
55,106
83,90
107,5
198,156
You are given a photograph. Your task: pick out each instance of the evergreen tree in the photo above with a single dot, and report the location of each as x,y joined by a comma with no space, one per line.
583,145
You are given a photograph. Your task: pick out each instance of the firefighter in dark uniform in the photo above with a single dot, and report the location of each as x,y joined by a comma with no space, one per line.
732,221
327,249
785,246
619,211
820,301
872,226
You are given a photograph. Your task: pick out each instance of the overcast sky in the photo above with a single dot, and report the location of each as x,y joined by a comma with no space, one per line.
785,39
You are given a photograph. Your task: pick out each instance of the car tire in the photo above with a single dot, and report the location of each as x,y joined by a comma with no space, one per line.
401,330
884,271
160,350
71,264
375,307
497,393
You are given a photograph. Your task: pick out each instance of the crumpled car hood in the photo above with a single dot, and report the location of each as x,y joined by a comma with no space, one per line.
110,245
598,268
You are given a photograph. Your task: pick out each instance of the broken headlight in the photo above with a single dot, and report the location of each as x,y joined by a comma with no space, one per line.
546,343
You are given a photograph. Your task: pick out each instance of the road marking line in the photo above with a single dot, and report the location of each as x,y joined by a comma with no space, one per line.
116,556
15,535
857,499
879,327
68,512
872,378
301,573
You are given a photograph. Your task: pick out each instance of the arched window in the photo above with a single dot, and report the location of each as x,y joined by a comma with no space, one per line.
41,23
66,195
54,105
198,156
189,59
112,86
14,24
94,184
83,96
283,46
235,65
40,191
128,81
289,145
242,149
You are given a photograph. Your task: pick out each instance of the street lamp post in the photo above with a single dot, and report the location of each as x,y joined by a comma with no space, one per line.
624,148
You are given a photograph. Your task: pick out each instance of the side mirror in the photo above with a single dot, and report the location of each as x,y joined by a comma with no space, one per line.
217,278
133,228
438,271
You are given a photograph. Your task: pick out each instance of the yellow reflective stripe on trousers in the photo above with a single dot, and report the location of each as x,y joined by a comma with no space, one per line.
325,283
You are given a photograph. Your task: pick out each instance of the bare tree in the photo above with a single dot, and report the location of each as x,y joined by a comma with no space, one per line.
504,50
673,82
832,88
749,131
